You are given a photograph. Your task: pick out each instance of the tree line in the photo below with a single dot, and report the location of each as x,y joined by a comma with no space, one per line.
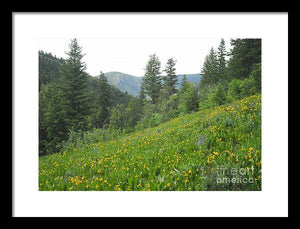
75,108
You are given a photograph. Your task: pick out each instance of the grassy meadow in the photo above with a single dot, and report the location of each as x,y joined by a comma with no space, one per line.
192,152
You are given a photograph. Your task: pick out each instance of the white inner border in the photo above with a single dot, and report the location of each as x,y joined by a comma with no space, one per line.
271,27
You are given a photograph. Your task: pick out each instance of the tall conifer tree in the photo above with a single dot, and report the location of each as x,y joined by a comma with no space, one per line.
152,80
245,56
170,79
75,88
103,102
221,59
210,69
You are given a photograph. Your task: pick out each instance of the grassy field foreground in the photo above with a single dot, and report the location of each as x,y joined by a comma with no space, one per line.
213,149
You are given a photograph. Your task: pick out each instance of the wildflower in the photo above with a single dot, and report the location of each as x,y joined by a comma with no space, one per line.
168,185
216,153
201,140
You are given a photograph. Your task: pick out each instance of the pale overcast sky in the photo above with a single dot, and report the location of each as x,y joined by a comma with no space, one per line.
131,55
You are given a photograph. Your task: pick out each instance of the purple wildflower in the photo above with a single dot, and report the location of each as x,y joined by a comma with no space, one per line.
201,139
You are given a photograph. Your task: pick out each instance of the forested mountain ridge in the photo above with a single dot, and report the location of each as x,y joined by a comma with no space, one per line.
48,68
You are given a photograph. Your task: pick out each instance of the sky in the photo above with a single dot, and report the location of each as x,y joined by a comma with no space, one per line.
130,55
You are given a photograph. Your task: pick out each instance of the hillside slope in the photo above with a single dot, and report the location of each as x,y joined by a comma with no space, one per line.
198,151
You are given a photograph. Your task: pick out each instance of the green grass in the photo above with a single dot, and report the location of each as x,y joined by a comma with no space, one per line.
169,157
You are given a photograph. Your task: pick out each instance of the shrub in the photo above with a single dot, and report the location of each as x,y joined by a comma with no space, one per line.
188,99
234,90
170,108
218,96
151,116
117,118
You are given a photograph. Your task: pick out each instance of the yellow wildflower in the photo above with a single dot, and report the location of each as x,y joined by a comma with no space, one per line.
216,153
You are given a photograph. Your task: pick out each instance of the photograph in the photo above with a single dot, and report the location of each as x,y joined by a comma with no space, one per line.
150,114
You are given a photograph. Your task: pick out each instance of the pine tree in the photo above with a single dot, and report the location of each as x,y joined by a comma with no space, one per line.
142,96
210,69
152,80
55,119
184,85
103,102
245,55
221,54
184,80
75,88
133,112
170,79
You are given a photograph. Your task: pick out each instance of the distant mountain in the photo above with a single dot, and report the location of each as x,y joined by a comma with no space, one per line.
132,84
194,78
125,82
